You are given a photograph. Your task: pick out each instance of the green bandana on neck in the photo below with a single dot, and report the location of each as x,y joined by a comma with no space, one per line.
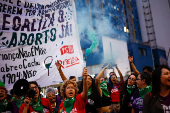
89,92
145,90
37,106
68,104
130,88
103,86
19,102
3,105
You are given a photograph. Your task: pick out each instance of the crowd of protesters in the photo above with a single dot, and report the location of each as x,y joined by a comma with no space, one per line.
143,92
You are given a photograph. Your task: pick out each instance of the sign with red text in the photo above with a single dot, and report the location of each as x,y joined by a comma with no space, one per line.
33,35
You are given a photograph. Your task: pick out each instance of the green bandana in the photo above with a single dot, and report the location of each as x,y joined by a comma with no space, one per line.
3,105
68,104
37,106
130,88
145,90
19,102
89,92
103,86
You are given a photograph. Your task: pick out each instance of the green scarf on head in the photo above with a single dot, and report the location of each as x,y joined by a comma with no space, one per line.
130,88
19,102
37,106
89,92
145,90
68,104
103,86
3,105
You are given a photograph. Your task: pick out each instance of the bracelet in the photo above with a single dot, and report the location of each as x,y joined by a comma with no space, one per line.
131,62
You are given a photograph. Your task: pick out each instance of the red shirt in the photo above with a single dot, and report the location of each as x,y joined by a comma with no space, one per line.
78,107
115,93
46,107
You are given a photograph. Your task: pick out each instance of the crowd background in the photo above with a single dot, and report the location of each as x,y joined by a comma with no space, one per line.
142,92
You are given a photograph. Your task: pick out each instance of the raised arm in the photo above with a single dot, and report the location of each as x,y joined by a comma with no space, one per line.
85,88
101,73
120,73
97,80
58,65
132,65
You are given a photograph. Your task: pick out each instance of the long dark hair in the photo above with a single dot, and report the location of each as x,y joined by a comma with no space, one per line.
124,95
156,76
110,82
35,83
95,93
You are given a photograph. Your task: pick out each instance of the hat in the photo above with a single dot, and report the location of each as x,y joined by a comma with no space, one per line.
2,86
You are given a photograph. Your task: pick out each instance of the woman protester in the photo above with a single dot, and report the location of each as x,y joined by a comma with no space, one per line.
74,103
5,106
103,90
35,104
127,92
55,100
94,99
143,83
116,87
158,101
94,104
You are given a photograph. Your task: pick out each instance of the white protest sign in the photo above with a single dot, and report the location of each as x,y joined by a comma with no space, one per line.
33,35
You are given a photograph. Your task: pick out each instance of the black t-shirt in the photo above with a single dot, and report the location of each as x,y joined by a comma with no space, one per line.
106,101
9,108
93,104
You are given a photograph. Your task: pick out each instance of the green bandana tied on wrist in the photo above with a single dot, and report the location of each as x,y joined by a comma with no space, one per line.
145,90
130,88
103,86
37,106
89,92
3,105
19,102
68,104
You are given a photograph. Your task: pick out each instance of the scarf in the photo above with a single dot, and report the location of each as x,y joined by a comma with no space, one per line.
19,102
103,86
3,105
37,106
145,90
130,88
68,104
89,92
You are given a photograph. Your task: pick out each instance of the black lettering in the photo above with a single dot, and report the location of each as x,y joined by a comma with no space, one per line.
14,10
60,18
26,25
4,8
32,27
18,1
5,22
16,26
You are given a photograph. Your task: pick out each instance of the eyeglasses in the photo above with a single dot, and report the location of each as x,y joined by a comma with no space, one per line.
70,88
113,77
52,96
34,88
131,79
89,79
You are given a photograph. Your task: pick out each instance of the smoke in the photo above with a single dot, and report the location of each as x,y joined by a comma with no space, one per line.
105,21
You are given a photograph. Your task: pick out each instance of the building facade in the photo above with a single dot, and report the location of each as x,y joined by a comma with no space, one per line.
114,21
